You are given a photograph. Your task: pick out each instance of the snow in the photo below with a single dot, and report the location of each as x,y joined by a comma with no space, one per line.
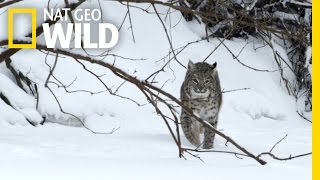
22,102
10,115
142,147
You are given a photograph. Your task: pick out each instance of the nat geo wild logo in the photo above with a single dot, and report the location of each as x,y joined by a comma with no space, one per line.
62,31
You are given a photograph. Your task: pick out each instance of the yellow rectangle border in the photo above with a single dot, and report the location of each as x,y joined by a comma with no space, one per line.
11,12
315,89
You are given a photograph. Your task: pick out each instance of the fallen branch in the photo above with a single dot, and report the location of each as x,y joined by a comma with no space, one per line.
284,159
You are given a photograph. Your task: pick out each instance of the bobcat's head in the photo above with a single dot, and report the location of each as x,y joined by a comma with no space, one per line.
201,79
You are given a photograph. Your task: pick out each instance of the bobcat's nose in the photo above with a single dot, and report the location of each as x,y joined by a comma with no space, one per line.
202,89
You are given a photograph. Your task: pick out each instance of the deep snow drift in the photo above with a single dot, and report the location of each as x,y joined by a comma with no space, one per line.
142,148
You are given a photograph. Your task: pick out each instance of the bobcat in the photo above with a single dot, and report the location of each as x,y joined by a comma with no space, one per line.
201,92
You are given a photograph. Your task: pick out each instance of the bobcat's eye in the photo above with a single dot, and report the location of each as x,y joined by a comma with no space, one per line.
195,81
207,81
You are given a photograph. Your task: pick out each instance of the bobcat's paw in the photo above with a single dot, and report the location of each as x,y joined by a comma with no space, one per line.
207,146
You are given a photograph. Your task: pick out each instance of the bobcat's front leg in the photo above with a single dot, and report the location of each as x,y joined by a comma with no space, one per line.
189,130
209,136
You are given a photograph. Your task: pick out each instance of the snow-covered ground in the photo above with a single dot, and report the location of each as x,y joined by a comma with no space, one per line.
142,147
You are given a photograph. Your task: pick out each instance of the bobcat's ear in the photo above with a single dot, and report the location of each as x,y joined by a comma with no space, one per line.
214,65
190,64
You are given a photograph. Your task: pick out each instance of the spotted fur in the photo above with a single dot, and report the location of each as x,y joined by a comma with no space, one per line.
201,92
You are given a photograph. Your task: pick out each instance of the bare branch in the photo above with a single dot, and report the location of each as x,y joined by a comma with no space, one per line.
8,3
